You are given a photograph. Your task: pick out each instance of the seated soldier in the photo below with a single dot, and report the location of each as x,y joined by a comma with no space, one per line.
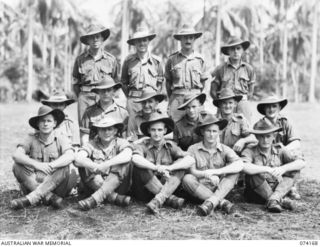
236,134
42,162
271,169
104,164
149,101
58,100
183,133
159,164
216,169
270,107
106,105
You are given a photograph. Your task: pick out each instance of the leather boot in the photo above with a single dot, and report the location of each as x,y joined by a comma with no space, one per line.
205,208
87,204
56,201
154,206
123,200
175,202
274,206
226,206
20,203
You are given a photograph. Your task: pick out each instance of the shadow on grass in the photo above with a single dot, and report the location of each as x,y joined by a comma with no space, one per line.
113,222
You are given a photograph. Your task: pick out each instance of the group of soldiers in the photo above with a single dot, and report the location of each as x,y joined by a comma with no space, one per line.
163,146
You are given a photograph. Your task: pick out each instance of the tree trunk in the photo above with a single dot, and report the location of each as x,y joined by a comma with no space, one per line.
295,84
125,30
218,33
314,53
53,54
285,52
261,39
30,54
44,49
66,82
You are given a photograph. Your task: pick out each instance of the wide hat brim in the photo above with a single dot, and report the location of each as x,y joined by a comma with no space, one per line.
157,97
201,97
261,106
244,44
149,36
178,36
167,121
116,86
222,123
57,114
268,131
105,35
119,126
217,101
66,101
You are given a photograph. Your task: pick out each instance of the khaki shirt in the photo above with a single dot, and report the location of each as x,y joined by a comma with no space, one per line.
36,149
276,158
238,79
237,128
136,75
287,134
207,159
96,112
99,153
185,72
166,155
69,129
88,70
183,133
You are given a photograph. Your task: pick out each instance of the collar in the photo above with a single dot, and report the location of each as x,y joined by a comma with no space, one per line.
110,108
242,63
51,139
274,150
150,144
191,56
100,54
149,60
190,122
101,146
202,147
233,118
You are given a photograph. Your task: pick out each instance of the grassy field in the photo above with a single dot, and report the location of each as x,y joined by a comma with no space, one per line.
112,222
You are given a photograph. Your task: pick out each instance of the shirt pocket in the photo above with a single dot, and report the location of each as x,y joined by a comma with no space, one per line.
105,70
195,76
166,160
243,80
134,76
53,156
236,131
177,72
218,161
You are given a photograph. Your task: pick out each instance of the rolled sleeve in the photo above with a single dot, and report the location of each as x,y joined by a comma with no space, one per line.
247,155
230,155
26,144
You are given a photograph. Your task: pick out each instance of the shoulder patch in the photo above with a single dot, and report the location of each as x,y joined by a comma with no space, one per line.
108,54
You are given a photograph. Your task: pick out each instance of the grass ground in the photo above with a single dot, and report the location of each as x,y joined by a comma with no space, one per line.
112,222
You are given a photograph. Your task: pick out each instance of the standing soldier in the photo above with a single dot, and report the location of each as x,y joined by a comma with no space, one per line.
106,89
235,74
185,71
149,101
58,100
91,66
183,133
236,134
140,70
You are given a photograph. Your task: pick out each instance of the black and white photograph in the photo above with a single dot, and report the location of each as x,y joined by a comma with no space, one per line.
159,120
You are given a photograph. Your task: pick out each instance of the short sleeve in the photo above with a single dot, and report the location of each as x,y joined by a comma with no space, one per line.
26,144
176,152
230,155
245,128
64,143
139,149
75,72
291,133
88,147
122,144
252,75
246,155
288,156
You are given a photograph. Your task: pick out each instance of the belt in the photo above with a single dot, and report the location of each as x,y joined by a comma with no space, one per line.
186,90
86,88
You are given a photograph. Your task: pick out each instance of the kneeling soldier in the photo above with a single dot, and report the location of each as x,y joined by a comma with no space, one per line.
216,169
272,170
159,163
42,162
106,159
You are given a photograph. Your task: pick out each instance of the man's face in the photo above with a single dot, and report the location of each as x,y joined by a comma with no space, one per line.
142,45
193,109
95,41
59,106
187,42
227,106
149,105
107,134
46,124
157,131
106,95
265,140
235,52
211,134
272,110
